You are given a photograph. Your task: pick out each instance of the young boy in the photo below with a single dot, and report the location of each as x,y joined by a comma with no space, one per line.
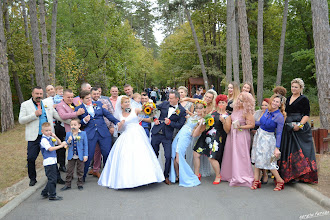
59,95
48,150
77,153
137,97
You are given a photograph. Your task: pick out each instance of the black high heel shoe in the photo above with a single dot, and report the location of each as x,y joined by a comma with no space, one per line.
264,182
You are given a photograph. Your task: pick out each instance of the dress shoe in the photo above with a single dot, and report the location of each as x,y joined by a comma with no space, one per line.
60,181
62,168
44,196
80,188
32,182
55,198
66,188
90,172
96,174
167,181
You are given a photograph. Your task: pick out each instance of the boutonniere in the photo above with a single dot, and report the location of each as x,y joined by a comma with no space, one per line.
177,111
54,140
78,138
71,106
45,106
94,105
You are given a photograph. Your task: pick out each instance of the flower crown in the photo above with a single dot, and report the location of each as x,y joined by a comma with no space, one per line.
201,102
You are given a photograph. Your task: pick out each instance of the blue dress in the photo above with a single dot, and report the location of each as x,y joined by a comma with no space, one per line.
181,142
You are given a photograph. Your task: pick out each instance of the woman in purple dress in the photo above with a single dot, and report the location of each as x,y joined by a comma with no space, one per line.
236,164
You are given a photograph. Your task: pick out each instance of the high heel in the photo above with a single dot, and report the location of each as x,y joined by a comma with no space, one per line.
199,176
256,184
215,183
279,186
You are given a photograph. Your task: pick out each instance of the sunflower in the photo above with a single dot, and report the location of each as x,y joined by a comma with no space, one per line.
53,139
210,122
147,110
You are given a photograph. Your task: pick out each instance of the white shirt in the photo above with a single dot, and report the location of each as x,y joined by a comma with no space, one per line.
171,111
50,160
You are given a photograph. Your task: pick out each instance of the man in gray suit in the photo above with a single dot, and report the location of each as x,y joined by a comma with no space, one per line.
33,114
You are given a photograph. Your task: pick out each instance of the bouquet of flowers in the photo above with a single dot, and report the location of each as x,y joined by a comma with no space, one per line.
149,108
209,121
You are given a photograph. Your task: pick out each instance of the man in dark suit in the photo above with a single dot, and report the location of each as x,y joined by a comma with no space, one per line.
95,126
172,115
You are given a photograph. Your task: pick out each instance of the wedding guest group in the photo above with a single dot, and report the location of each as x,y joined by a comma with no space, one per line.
220,131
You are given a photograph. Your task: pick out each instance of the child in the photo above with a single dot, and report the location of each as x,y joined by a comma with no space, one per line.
77,153
59,95
48,150
137,97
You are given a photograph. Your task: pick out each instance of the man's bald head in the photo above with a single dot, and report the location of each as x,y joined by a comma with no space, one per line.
50,91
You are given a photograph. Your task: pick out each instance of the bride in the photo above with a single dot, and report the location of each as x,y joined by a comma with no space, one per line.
132,161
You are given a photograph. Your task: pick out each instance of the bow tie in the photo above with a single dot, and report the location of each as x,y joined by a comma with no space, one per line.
171,106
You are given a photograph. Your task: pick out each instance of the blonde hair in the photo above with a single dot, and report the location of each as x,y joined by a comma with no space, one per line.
282,106
135,95
58,88
236,91
300,82
45,125
248,103
214,93
184,89
123,98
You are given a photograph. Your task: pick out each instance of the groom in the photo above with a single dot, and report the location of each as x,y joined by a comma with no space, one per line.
172,115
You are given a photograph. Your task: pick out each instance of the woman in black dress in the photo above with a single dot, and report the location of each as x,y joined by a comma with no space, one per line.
212,141
298,156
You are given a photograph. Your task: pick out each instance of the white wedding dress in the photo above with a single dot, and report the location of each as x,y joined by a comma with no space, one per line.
132,161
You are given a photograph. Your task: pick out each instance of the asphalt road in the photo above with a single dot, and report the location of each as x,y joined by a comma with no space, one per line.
160,201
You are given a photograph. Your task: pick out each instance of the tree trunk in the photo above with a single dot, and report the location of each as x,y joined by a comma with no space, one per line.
200,56
6,103
229,64
53,44
281,53
260,88
234,44
245,42
205,44
43,29
12,56
26,26
36,44
320,13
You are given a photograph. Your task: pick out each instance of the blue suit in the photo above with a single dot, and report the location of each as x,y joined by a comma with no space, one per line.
97,131
82,145
163,133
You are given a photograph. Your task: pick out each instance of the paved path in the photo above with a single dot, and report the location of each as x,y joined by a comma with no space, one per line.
159,201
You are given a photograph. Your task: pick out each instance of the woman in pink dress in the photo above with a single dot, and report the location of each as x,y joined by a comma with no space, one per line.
236,164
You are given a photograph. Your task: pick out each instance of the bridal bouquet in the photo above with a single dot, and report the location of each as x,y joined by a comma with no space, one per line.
149,108
209,121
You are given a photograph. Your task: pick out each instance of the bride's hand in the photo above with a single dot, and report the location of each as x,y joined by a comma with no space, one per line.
120,124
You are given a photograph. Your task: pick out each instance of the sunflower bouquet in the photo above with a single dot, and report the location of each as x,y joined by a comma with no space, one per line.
149,108
209,121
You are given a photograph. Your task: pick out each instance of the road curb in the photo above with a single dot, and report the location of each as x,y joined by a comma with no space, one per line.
313,194
25,194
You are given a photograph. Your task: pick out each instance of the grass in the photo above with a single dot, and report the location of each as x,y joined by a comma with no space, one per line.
13,154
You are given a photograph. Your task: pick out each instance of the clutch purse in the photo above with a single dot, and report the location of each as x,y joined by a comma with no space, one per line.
273,158
236,124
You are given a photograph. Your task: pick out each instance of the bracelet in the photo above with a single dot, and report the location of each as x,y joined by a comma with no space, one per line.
169,122
155,119
301,126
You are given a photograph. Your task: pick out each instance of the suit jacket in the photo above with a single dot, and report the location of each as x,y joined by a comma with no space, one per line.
65,112
177,121
97,122
82,145
27,116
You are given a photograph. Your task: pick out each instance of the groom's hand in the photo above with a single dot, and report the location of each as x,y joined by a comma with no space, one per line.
167,121
156,122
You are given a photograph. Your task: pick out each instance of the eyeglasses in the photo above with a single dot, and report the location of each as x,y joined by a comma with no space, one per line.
199,108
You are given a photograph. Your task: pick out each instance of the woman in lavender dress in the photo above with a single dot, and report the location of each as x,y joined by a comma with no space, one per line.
236,164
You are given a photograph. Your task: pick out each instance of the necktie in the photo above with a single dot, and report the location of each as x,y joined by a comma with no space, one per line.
39,105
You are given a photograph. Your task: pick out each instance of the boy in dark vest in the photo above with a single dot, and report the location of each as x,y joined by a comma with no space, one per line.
48,150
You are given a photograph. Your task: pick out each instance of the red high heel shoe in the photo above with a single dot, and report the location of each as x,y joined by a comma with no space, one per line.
256,184
215,183
199,176
279,186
